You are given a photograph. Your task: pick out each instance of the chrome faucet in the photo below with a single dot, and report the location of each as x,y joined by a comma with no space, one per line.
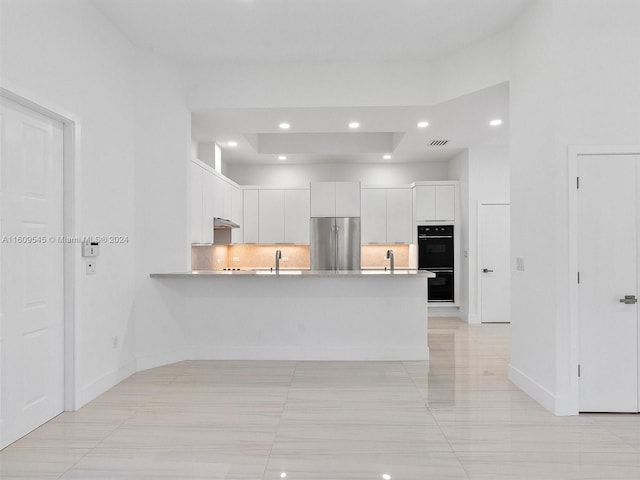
390,258
278,257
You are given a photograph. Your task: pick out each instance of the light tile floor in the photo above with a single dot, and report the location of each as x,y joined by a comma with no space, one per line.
457,417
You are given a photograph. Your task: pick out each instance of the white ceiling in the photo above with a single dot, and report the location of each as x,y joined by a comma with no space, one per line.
322,135
267,31
297,31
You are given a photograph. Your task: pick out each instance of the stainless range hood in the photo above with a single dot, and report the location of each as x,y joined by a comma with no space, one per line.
222,230
223,224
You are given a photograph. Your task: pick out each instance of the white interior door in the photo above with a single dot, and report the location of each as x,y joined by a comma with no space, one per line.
608,266
495,275
31,280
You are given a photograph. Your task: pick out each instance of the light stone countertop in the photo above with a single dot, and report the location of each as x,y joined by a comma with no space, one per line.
296,273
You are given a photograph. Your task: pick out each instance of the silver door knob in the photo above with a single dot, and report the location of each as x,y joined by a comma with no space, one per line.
629,299
486,270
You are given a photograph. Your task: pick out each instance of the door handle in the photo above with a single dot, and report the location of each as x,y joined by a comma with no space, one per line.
629,299
486,270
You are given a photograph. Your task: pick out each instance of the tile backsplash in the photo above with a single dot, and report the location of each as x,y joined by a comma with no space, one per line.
217,257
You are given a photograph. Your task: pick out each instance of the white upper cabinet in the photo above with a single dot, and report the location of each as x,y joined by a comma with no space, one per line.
296,216
196,203
435,203
236,214
323,199
387,215
347,199
335,199
209,204
399,215
271,216
250,216
374,215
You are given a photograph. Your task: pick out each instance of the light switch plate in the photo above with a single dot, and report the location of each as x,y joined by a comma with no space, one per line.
520,264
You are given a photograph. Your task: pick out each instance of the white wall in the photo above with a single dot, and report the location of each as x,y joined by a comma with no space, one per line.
162,151
368,174
483,173
70,57
133,153
574,81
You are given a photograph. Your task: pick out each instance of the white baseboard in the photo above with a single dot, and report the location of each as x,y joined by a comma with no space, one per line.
145,362
536,391
438,311
335,354
100,385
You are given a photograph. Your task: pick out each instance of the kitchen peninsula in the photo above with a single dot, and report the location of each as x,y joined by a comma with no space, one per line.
301,314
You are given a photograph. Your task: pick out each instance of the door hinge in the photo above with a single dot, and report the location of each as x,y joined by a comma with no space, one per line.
578,277
577,182
578,369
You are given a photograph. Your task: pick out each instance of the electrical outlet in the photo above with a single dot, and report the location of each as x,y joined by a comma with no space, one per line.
285,259
236,259
91,267
114,342
520,264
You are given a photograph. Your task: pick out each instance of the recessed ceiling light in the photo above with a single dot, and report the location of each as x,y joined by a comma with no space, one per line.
282,157
354,125
386,476
284,126
232,144
387,157
283,475
423,124
496,122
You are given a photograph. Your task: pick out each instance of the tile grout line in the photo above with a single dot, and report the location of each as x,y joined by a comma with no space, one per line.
119,424
284,405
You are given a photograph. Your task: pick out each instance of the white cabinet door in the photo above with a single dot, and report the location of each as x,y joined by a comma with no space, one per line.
425,203
296,216
323,199
250,216
196,203
236,214
445,202
347,199
399,215
271,216
208,205
373,222
435,203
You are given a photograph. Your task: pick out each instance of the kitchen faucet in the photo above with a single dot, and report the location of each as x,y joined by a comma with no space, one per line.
278,257
390,258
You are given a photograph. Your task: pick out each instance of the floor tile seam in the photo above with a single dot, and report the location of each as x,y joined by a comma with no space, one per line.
428,410
277,429
120,424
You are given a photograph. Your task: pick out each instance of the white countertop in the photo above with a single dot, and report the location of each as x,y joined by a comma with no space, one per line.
297,273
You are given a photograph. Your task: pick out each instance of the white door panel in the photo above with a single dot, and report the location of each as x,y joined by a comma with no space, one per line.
494,258
31,299
608,266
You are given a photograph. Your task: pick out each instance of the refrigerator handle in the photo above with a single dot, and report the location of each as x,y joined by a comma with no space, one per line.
337,250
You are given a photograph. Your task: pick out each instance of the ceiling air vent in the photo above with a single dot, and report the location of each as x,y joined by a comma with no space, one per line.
438,143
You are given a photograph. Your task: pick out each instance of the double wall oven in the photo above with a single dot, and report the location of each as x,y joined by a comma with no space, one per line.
435,253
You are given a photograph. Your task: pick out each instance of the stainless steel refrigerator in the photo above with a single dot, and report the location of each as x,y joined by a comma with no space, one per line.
335,243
